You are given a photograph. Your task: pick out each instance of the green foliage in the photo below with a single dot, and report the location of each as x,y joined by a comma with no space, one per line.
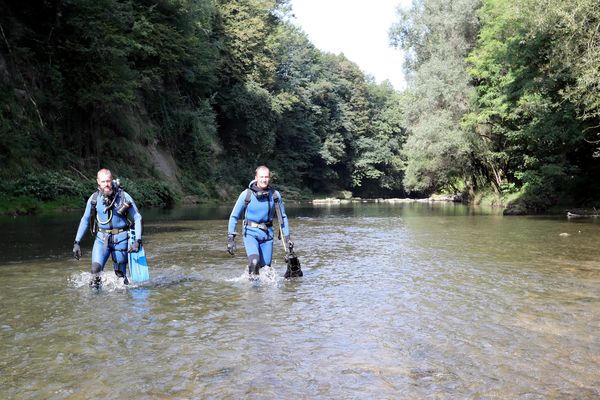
436,152
526,124
538,192
220,85
437,35
53,189
575,50
252,120
34,192
150,192
378,167
18,133
244,28
49,186
22,205
196,188
504,97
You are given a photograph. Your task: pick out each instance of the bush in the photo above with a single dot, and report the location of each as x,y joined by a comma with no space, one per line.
49,186
54,190
195,187
150,192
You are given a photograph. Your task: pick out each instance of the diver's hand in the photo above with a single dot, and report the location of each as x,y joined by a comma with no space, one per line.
76,250
135,246
289,242
231,247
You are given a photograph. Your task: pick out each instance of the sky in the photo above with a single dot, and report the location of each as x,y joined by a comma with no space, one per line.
357,28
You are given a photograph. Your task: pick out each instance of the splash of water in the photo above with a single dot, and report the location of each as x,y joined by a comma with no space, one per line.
268,277
110,282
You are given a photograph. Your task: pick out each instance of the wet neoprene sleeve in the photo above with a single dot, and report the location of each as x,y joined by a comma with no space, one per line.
236,213
85,221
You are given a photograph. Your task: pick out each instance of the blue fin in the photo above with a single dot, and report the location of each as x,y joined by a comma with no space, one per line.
138,264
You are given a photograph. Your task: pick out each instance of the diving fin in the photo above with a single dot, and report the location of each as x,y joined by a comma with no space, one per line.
138,263
293,266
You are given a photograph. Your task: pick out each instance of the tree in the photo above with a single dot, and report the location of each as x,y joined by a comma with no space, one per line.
529,128
436,36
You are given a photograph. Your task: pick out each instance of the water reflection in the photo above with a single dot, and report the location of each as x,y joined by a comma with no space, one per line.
397,301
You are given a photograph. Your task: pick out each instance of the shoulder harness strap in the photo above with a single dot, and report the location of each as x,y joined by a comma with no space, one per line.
247,201
93,222
248,197
278,212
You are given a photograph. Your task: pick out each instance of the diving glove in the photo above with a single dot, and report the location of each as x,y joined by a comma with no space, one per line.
231,247
288,241
135,246
76,250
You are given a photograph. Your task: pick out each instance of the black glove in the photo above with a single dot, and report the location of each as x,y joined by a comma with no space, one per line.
289,242
135,246
76,250
231,247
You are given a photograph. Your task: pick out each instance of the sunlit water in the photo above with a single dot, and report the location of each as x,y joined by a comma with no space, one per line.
406,301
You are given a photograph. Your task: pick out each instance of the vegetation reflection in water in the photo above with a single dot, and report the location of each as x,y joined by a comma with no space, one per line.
402,301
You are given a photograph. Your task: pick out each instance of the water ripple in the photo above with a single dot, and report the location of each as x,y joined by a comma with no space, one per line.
399,302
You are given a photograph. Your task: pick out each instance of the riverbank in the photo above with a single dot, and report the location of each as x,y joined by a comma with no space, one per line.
333,200
511,205
28,205
54,191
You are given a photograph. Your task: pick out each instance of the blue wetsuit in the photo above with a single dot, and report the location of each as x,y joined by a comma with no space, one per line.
112,235
257,227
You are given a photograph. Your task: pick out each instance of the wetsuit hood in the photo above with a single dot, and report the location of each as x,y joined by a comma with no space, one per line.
254,187
258,192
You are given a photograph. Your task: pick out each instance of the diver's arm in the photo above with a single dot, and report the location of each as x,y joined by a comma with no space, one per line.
284,219
236,213
135,215
85,221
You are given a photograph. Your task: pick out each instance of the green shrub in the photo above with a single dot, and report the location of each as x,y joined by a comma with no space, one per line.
53,190
150,192
50,186
195,187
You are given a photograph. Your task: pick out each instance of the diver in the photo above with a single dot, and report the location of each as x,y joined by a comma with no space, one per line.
258,203
108,213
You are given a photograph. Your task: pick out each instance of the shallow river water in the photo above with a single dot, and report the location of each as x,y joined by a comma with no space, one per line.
398,301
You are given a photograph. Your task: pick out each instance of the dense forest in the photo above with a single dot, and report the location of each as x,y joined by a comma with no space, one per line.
184,98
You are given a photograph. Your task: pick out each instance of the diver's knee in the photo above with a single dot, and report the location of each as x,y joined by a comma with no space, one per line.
253,260
253,264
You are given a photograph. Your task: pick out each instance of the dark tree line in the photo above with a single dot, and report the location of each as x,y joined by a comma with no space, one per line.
502,98
220,86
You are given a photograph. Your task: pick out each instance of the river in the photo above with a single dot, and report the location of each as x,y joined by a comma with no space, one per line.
398,301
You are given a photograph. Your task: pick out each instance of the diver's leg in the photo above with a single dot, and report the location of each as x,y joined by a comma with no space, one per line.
119,255
252,251
266,252
253,264
100,254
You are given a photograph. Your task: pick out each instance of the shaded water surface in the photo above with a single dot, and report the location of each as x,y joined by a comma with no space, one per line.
397,301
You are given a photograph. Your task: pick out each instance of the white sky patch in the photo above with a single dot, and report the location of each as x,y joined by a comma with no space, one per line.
357,28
